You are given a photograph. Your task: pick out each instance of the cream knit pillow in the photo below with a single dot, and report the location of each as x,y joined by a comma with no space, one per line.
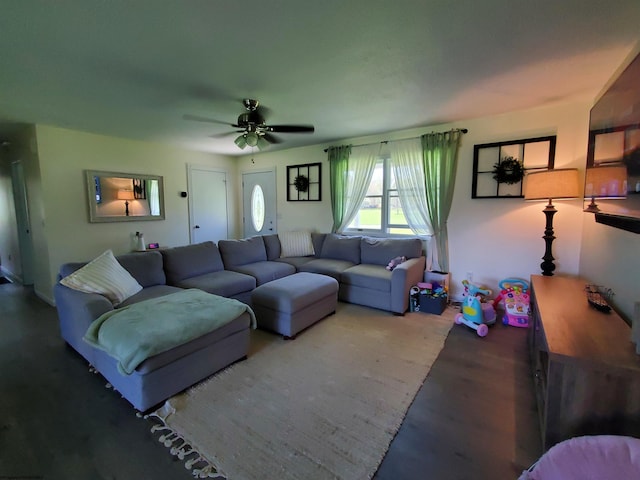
295,244
104,275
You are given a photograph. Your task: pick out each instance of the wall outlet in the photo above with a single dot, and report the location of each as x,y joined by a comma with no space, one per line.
469,277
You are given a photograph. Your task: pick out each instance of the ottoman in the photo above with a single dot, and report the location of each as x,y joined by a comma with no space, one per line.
289,305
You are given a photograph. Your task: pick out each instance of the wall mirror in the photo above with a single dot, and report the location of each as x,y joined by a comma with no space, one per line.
612,180
124,197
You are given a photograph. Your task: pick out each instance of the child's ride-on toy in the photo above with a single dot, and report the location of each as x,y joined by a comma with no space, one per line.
475,313
514,293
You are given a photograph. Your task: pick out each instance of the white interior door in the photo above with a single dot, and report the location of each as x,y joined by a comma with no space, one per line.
208,217
259,203
24,223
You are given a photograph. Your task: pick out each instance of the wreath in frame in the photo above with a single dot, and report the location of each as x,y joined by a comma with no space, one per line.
509,170
301,182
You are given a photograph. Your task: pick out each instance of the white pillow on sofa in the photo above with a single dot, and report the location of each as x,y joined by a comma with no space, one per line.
295,244
104,275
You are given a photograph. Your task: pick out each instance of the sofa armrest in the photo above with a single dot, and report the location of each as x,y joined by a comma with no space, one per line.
403,277
76,311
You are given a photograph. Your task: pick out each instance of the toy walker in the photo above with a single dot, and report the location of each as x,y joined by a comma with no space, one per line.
476,314
514,292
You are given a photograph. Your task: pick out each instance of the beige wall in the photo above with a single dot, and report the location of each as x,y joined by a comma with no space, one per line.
63,218
492,238
610,257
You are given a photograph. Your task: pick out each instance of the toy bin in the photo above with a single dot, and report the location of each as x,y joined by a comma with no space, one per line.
431,304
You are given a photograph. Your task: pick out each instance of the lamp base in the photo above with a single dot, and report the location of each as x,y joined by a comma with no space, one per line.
547,264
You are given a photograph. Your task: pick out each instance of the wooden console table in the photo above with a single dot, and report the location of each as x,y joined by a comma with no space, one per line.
586,371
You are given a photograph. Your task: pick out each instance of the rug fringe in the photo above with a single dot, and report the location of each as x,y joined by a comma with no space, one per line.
179,446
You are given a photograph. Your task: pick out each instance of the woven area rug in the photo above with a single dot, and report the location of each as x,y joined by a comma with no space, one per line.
323,406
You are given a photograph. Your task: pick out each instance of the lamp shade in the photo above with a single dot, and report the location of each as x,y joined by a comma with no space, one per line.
608,181
241,141
252,139
548,184
125,195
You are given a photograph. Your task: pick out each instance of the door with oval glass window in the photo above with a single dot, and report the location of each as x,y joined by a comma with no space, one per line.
259,203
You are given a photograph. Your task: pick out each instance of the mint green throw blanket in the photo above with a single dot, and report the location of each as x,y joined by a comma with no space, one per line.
136,332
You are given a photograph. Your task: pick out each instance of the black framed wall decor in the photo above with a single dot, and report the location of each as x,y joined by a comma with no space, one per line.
493,176
304,182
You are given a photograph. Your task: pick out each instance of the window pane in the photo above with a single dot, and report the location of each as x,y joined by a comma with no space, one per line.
377,180
257,208
392,179
369,216
401,231
396,215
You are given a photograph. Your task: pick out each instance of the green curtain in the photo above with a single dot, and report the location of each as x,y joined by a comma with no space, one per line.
440,151
338,165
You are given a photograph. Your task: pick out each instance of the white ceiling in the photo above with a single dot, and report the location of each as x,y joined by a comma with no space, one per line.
350,67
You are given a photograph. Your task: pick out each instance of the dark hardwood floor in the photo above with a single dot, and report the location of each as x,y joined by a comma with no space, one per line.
474,418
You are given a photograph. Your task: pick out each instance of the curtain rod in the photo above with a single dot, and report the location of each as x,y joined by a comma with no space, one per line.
463,130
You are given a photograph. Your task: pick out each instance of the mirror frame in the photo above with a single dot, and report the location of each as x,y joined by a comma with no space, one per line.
94,217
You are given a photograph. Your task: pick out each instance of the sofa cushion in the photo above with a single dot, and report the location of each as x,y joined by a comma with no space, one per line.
240,252
104,275
379,251
272,246
146,268
266,271
150,292
297,262
373,277
318,241
295,244
326,266
190,261
340,247
224,283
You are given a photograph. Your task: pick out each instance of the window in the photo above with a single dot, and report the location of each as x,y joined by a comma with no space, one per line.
381,211
257,208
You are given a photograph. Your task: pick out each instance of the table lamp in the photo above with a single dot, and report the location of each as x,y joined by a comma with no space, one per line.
125,195
606,181
549,185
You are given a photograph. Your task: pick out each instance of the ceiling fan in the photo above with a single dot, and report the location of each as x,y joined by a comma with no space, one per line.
252,128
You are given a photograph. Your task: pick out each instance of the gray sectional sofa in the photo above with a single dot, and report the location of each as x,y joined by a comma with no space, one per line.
233,268
162,375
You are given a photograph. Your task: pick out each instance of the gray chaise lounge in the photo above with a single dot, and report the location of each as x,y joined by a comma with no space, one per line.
162,375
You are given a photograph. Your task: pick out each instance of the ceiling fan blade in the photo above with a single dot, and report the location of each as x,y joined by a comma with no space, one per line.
221,135
271,138
290,128
198,118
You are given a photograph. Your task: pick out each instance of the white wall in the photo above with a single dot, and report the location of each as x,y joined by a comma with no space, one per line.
610,257
492,238
63,218
315,216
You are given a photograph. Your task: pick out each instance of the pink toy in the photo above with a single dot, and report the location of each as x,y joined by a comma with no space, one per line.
395,262
514,294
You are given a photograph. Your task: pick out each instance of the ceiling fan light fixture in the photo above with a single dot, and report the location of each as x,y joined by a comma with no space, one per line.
251,139
262,143
241,141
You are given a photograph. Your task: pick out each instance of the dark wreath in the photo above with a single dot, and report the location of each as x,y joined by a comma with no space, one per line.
509,171
301,183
